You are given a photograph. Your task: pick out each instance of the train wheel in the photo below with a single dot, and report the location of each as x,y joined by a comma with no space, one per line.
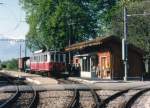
49,74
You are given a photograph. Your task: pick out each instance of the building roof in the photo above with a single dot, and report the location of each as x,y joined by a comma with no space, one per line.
100,41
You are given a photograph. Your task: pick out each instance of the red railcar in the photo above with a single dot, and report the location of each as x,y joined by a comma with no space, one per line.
50,62
22,66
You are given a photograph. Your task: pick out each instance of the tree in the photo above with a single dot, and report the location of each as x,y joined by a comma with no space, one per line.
10,64
138,26
53,23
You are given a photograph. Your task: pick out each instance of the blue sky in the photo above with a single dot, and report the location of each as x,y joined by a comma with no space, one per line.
12,26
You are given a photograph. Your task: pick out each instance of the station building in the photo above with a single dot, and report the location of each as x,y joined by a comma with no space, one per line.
102,58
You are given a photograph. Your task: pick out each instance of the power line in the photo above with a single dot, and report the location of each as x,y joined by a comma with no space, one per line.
144,14
13,40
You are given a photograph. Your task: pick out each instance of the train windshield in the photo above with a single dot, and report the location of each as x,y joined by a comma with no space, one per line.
57,57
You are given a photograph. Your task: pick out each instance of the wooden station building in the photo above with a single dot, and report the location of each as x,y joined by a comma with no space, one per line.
102,58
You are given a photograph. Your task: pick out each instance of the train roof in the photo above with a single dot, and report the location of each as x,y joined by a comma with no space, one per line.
39,52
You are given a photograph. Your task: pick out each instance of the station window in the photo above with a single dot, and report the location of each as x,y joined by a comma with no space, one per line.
77,61
86,64
103,62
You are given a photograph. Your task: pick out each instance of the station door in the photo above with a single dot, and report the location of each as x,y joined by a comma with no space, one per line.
104,72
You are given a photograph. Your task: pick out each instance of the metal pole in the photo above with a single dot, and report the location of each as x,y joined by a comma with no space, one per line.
20,51
69,38
125,45
25,52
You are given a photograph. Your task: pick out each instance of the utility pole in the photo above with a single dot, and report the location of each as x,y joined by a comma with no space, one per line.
125,45
124,40
20,51
69,27
25,48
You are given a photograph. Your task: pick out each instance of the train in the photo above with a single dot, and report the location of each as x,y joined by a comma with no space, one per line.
51,63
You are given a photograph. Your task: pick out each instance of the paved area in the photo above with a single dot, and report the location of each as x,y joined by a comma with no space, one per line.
33,78
113,84
61,87
52,87
45,83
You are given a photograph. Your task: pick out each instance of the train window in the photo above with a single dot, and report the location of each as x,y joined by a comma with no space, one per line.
41,58
64,58
34,59
52,57
45,58
37,58
61,58
56,57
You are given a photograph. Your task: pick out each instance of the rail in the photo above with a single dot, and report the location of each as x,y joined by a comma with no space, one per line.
35,99
75,100
112,97
11,99
96,99
15,97
134,97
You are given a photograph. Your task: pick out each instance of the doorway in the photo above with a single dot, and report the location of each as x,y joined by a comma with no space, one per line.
104,71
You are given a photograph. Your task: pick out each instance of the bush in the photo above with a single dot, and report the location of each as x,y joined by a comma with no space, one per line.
10,64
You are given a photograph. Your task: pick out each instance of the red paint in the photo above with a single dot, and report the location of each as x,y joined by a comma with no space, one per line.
47,66
104,54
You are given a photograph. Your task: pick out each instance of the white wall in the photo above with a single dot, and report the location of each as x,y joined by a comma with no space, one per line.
85,74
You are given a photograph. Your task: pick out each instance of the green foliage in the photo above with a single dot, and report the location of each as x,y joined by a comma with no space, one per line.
53,23
138,26
10,64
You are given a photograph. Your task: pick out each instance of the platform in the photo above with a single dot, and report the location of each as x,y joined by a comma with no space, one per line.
112,84
32,78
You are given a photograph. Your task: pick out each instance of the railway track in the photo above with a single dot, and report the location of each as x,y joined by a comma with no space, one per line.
78,95
81,98
132,100
18,99
21,100
98,103
130,96
112,97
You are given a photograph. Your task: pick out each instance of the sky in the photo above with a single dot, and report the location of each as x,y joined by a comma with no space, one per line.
12,26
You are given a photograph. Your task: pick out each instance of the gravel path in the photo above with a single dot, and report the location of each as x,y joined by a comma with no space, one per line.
143,101
54,99
105,93
4,96
120,101
86,99
23,101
